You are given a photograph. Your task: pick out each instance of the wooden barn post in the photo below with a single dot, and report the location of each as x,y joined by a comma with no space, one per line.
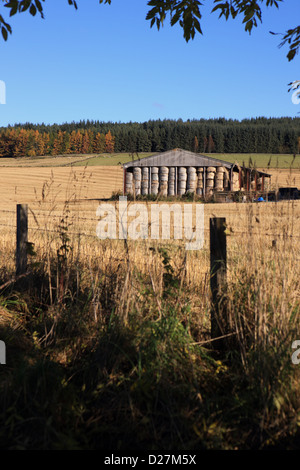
218,266
22,238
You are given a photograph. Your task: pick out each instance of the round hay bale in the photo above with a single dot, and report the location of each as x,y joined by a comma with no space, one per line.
145,174
210,176
221,169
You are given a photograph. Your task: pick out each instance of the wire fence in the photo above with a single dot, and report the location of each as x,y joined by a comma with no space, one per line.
232,234
37,220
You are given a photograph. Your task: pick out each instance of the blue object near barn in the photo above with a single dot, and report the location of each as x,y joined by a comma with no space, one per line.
260,199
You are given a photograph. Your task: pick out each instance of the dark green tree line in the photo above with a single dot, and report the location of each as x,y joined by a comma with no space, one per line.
259,135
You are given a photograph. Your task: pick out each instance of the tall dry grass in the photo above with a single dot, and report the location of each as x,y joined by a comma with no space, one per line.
108,341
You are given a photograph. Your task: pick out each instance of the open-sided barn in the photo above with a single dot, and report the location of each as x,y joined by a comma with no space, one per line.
178,171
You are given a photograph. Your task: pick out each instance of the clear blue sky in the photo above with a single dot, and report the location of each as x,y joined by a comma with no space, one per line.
105,63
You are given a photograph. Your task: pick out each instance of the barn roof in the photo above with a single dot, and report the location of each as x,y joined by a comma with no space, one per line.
179,157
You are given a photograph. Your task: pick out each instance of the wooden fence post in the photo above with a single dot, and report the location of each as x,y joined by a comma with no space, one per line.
218,266
22,238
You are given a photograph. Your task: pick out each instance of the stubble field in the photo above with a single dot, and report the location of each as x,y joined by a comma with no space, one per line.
83,187
109,341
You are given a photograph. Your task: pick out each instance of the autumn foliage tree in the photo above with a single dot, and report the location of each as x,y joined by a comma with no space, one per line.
21,142
109,143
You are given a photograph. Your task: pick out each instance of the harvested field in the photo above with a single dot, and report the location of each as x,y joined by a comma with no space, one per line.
27,185
283,177
120,331
46,190
45,161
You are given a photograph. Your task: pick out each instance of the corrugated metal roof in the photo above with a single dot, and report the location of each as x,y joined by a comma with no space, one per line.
179,157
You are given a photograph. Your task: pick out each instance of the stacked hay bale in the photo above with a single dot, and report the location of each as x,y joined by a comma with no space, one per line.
145,180
191,180
226,179
235,181
128,182
182,178
219,178
259,183
137,177
210,180
163,180
252,183
171,182
154,180
199,189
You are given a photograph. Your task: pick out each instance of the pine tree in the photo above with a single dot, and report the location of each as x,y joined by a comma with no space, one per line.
99,143
21,148
109,143
58,143
85,146
78,141
211,144
196,144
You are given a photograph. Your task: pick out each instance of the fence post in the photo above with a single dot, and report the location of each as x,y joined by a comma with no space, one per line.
22,238
218,266
2,352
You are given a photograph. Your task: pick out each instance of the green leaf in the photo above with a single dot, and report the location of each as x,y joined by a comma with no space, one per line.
4,33
39,5
13,10
24,5
291,54
32,10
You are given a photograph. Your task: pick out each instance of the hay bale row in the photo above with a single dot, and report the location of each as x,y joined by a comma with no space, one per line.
191,180
128,182
199,187
182,179
235,181
162,180
154,180
171,182
137,178
145,180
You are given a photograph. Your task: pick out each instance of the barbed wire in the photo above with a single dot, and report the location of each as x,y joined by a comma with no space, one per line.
72,218
85,234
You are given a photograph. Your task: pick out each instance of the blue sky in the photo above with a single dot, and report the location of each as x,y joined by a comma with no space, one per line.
105,63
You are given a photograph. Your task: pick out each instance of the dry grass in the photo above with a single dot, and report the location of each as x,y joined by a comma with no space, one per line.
123,328
45,161
283,177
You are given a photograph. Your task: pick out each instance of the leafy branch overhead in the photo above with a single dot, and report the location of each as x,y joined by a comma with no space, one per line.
186,13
